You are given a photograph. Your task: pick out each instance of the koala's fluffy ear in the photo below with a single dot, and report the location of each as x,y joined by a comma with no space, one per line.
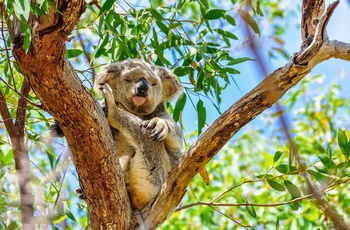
107,75
171,86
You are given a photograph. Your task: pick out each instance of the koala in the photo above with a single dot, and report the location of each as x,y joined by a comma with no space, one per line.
148,141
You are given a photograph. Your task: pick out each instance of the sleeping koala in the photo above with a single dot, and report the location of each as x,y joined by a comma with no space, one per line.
148,141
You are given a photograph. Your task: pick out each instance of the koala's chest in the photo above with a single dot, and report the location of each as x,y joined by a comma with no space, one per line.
125,146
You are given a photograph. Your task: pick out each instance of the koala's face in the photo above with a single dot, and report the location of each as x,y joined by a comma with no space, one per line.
138,86
139,90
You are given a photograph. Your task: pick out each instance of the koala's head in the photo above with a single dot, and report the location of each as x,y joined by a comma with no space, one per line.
138,86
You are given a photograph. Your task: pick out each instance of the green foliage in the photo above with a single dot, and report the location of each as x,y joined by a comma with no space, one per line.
255,184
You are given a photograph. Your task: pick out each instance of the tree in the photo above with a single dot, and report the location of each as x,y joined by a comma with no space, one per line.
38,32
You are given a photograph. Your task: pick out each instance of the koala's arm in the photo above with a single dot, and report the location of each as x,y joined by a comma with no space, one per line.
125,122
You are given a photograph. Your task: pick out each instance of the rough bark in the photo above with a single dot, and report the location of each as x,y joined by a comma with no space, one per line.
63,95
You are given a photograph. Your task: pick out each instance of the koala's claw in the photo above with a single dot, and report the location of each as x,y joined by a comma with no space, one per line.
79,191
157,127
106,91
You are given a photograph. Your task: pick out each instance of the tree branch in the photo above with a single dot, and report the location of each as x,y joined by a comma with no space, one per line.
21,157
262,97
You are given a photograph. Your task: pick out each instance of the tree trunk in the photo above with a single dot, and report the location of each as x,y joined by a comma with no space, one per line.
63,95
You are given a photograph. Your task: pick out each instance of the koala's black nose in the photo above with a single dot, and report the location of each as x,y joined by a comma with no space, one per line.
142,87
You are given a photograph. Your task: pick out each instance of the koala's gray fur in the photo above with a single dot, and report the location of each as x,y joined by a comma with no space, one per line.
148,141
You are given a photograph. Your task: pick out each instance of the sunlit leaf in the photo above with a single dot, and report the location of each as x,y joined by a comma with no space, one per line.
292,189
73,53
235,61
183,70
344,143
251,211
179,106
107,5
204,3
230,20
277,186
59,219
156,15
202,115
227,34
214,14
27,34
8,158
319,177
277,156
249,20
282,168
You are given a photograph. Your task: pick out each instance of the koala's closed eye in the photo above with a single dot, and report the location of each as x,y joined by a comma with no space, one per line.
128,80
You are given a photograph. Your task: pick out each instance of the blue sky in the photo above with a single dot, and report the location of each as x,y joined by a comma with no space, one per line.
250,76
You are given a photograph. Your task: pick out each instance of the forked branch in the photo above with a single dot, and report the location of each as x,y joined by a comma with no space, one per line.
262,97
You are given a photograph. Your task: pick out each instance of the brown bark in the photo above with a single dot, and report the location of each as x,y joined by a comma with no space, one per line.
63,95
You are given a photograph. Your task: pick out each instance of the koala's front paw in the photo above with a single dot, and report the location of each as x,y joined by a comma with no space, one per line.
107,92
158,128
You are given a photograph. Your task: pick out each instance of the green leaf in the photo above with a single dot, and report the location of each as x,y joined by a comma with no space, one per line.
179,106
230,70
106,6
60,219
249,20
328,163
8,158
278,223
22,9
344,143
155,42
227,34
202,116
163,27
183,70
277,186
292,189
277,156
156,15
319,177
70,215
230,20
25,28
101,46
36,10
235,61
214,14
264,176
204,3
251,211
282,168
71,53
295,206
